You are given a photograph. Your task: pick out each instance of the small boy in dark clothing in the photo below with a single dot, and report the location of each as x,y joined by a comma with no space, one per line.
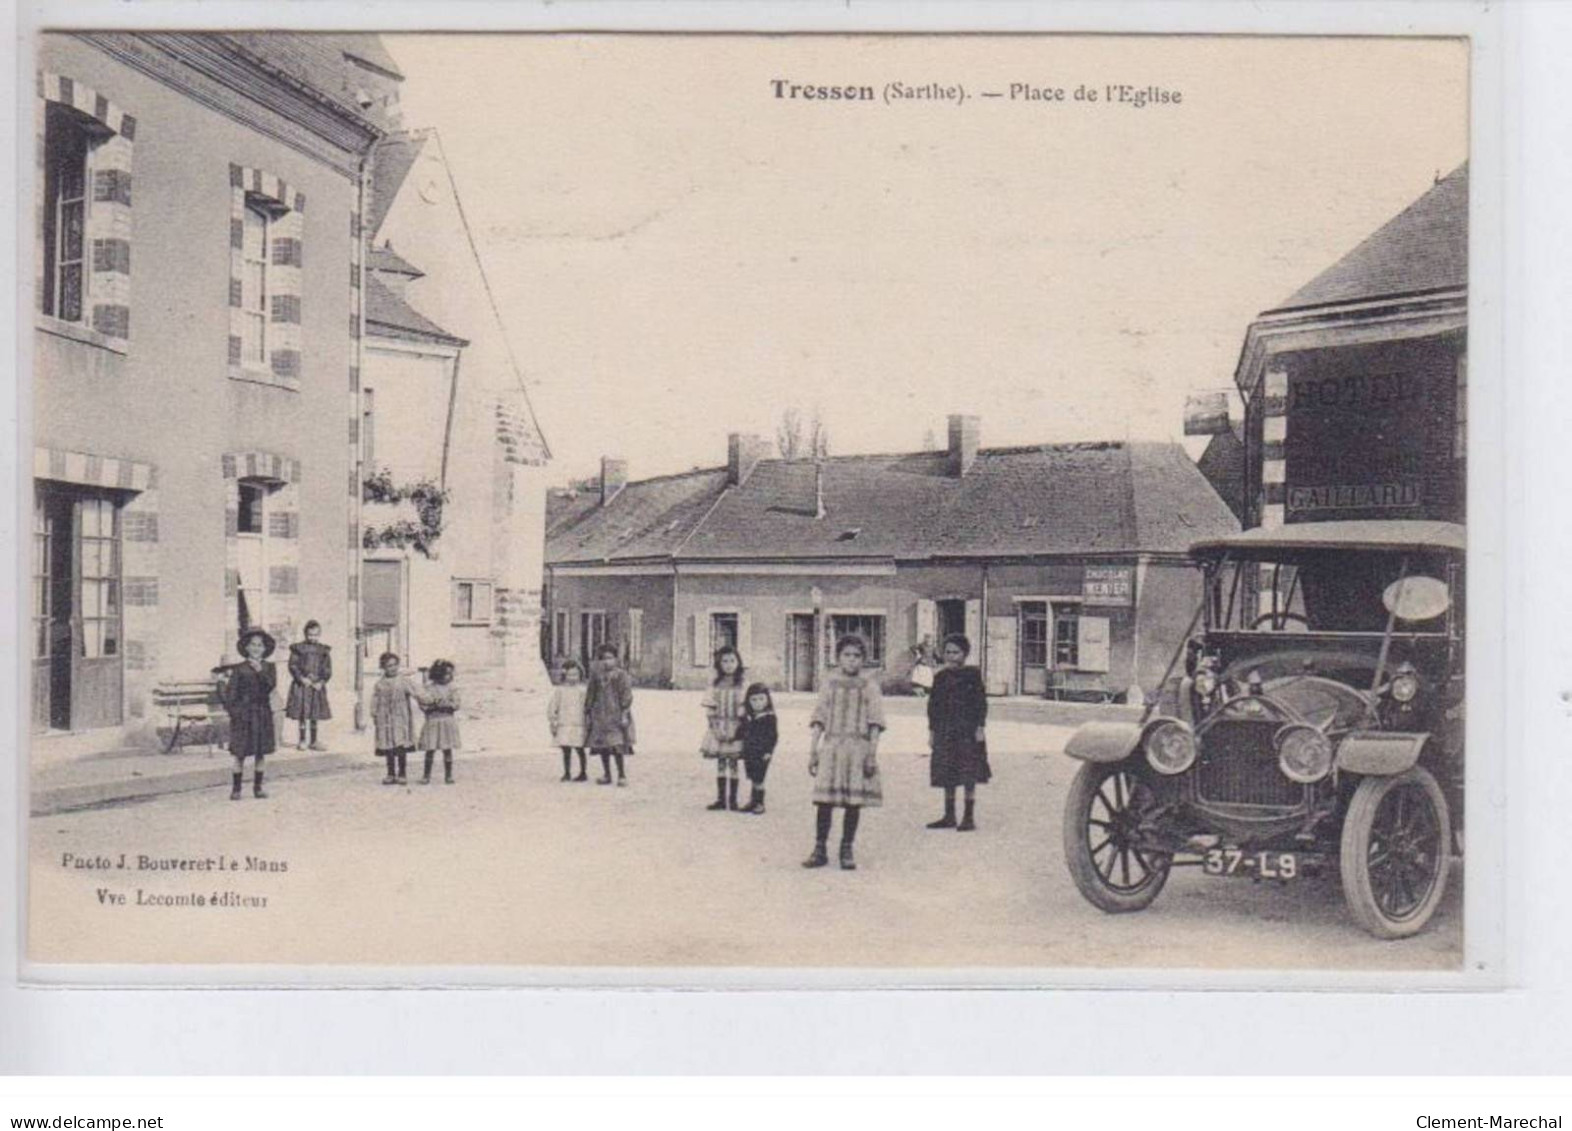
759,735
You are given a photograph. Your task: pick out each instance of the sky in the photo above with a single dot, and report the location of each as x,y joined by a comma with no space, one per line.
679,254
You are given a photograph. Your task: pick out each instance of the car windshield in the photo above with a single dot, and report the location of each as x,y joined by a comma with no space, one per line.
1322,592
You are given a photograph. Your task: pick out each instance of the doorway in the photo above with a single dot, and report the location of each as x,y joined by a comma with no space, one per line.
799,651
77,674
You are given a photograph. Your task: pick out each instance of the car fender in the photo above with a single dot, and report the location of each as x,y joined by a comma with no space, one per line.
1104,741
1380,753
1112,741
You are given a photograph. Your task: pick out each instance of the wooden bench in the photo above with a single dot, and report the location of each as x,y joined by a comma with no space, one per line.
194,711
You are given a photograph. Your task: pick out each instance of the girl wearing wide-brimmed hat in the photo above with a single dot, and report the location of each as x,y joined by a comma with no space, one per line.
247,689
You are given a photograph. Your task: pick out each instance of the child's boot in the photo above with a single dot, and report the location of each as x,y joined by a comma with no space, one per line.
425,777
719,803
948,820
567,765
967,824
756,807
818,858
403,766
447,766
848,861
583,768
731,793
314,744
236,781
256,785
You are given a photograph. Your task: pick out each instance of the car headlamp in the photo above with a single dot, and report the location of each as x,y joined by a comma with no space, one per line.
1303,753
1405,684
1170,747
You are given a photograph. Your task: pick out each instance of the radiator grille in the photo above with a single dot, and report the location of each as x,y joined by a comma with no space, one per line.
1238,764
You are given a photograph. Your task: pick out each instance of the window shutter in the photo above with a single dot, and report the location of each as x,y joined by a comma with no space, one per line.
974,630
1092,644
635,635
695,653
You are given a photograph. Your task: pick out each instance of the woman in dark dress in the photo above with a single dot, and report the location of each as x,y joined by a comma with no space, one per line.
957,715
248,697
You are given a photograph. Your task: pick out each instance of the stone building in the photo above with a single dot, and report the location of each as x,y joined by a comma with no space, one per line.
196,351
1064,563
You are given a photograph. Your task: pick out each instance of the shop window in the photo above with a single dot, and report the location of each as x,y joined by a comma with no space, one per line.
68,145
868,626
100,579
1034,634
1066,640
471,602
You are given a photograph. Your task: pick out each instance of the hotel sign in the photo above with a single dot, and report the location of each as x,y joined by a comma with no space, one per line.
1108,585
1354,496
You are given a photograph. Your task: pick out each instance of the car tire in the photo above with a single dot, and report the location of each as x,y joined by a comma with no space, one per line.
1111,875
1404,824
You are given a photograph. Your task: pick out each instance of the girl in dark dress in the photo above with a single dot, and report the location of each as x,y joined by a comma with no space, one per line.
310,668
608,714
247,689
759,735
957,714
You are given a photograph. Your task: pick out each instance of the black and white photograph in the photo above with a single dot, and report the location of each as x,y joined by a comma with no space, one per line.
904,506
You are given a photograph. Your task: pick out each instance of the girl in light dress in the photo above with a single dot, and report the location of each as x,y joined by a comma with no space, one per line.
565,713
439,699
723,708
844,757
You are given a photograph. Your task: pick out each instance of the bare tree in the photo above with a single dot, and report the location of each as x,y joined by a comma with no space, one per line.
818,435
788,434
796,440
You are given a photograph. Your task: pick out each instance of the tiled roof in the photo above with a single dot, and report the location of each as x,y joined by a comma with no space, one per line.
318,61
646,519
388,315
386,259
391,160
1013,502
1422,248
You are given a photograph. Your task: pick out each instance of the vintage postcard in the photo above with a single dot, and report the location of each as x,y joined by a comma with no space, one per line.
645,502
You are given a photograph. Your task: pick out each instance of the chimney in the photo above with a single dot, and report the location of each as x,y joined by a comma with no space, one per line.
613,478
963,444
743,453
818,488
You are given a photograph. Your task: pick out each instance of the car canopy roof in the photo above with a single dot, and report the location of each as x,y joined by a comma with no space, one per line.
1345,534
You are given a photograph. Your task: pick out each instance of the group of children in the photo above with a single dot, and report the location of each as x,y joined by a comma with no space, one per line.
741,734
595,716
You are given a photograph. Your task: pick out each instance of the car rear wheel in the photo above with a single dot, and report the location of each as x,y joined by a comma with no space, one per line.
1102,818
1394,853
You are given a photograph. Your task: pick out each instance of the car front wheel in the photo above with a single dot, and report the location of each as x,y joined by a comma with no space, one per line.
1102,843
1394,853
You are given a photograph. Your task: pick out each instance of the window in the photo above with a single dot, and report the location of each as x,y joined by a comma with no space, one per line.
252,502
471,602
560,644
1066,640
43,604
635,635
866,625
1034,634
100,573
592,634
254,284
368,427
1460,412
67,174
723,632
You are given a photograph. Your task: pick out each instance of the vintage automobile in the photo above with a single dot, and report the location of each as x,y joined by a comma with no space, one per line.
1316,719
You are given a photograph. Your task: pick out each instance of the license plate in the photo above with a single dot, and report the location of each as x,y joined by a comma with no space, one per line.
1262,865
